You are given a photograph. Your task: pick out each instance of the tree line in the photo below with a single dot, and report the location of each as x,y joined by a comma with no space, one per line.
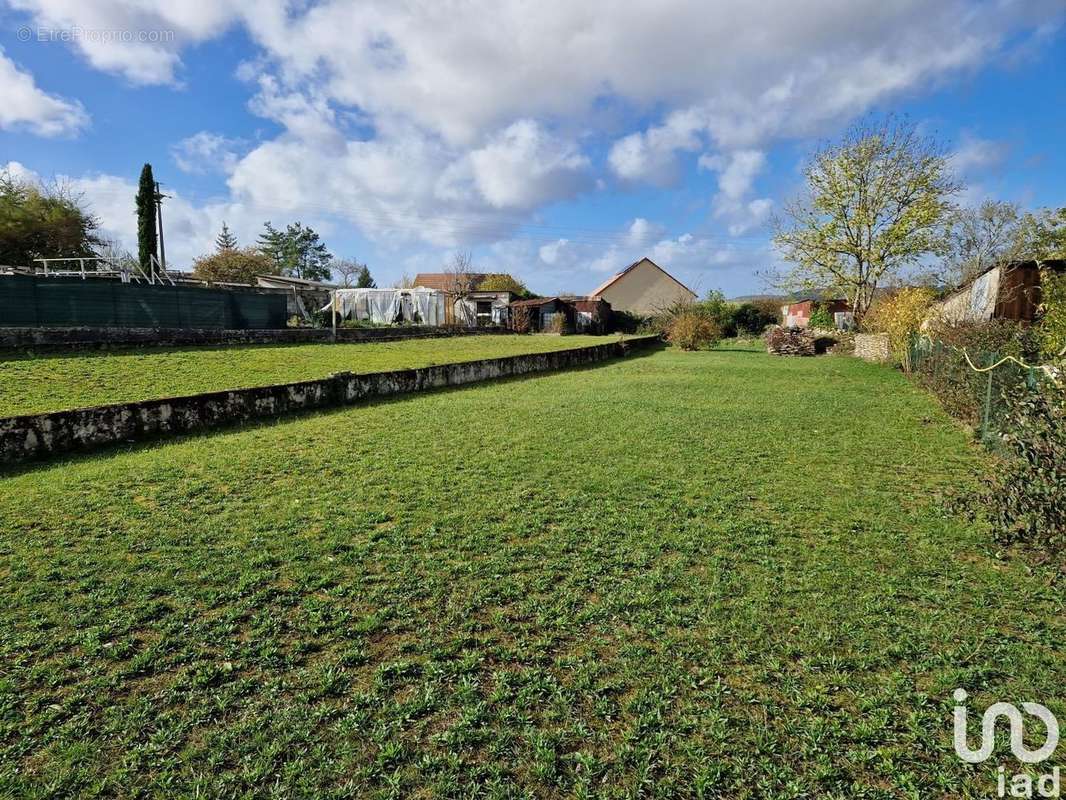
41,219
296,251
879,208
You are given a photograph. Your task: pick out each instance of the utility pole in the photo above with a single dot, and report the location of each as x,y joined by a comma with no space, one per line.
159,216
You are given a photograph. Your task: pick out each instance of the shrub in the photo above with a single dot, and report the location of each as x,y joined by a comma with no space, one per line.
502,282
238,265
559,324
521,319
720,311
1025,498
821,318
1052,326
900,316
752,319
942,369
627,322
693,329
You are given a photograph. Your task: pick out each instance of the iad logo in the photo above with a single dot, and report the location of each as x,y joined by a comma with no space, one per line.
1020,785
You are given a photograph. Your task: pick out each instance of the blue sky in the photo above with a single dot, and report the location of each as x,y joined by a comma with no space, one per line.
556,142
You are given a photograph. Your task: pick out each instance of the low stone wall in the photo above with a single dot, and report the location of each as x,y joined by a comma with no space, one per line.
873,347
102,338
34,435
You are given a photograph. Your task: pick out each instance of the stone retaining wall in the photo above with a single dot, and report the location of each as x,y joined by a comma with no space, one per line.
873,347
102,338
34,435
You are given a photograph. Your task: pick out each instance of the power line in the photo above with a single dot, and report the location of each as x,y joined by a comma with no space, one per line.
484,223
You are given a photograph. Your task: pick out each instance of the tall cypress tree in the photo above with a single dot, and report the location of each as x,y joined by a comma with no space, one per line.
147,245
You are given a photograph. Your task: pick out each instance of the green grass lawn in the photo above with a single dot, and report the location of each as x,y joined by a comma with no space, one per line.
715,574
34,384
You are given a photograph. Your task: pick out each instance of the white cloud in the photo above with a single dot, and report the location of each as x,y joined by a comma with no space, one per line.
471,117
737,172
975,155
700,260
736,176
139,40
549,253
523,167
732,70
651,155
23,105
642,232
206,152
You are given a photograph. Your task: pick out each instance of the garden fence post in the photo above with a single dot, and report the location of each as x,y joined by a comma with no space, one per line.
988,402
333,309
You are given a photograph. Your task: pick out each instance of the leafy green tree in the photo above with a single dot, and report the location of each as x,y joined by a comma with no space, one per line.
309,257
147,235
1051,329
1042,235
750,318
225,240
721,311
43,221
502,282
875,203
233,265
297,251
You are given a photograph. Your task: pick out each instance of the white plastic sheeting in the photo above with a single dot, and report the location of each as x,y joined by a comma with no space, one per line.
384,306
501,310
973,303
425,306
465,312
983,296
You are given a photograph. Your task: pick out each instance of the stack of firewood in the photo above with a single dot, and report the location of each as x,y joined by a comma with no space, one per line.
782,341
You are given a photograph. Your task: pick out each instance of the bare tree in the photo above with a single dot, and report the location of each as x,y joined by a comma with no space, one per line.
460,281
979,238
353,273
875,203
346,270
405,282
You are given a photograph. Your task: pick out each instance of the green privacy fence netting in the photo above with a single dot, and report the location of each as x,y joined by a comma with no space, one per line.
42,301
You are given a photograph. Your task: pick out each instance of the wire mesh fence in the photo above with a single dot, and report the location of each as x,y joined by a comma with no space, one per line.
976,387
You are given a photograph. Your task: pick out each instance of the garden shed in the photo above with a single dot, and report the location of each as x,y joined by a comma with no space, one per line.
545,314
1005,291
